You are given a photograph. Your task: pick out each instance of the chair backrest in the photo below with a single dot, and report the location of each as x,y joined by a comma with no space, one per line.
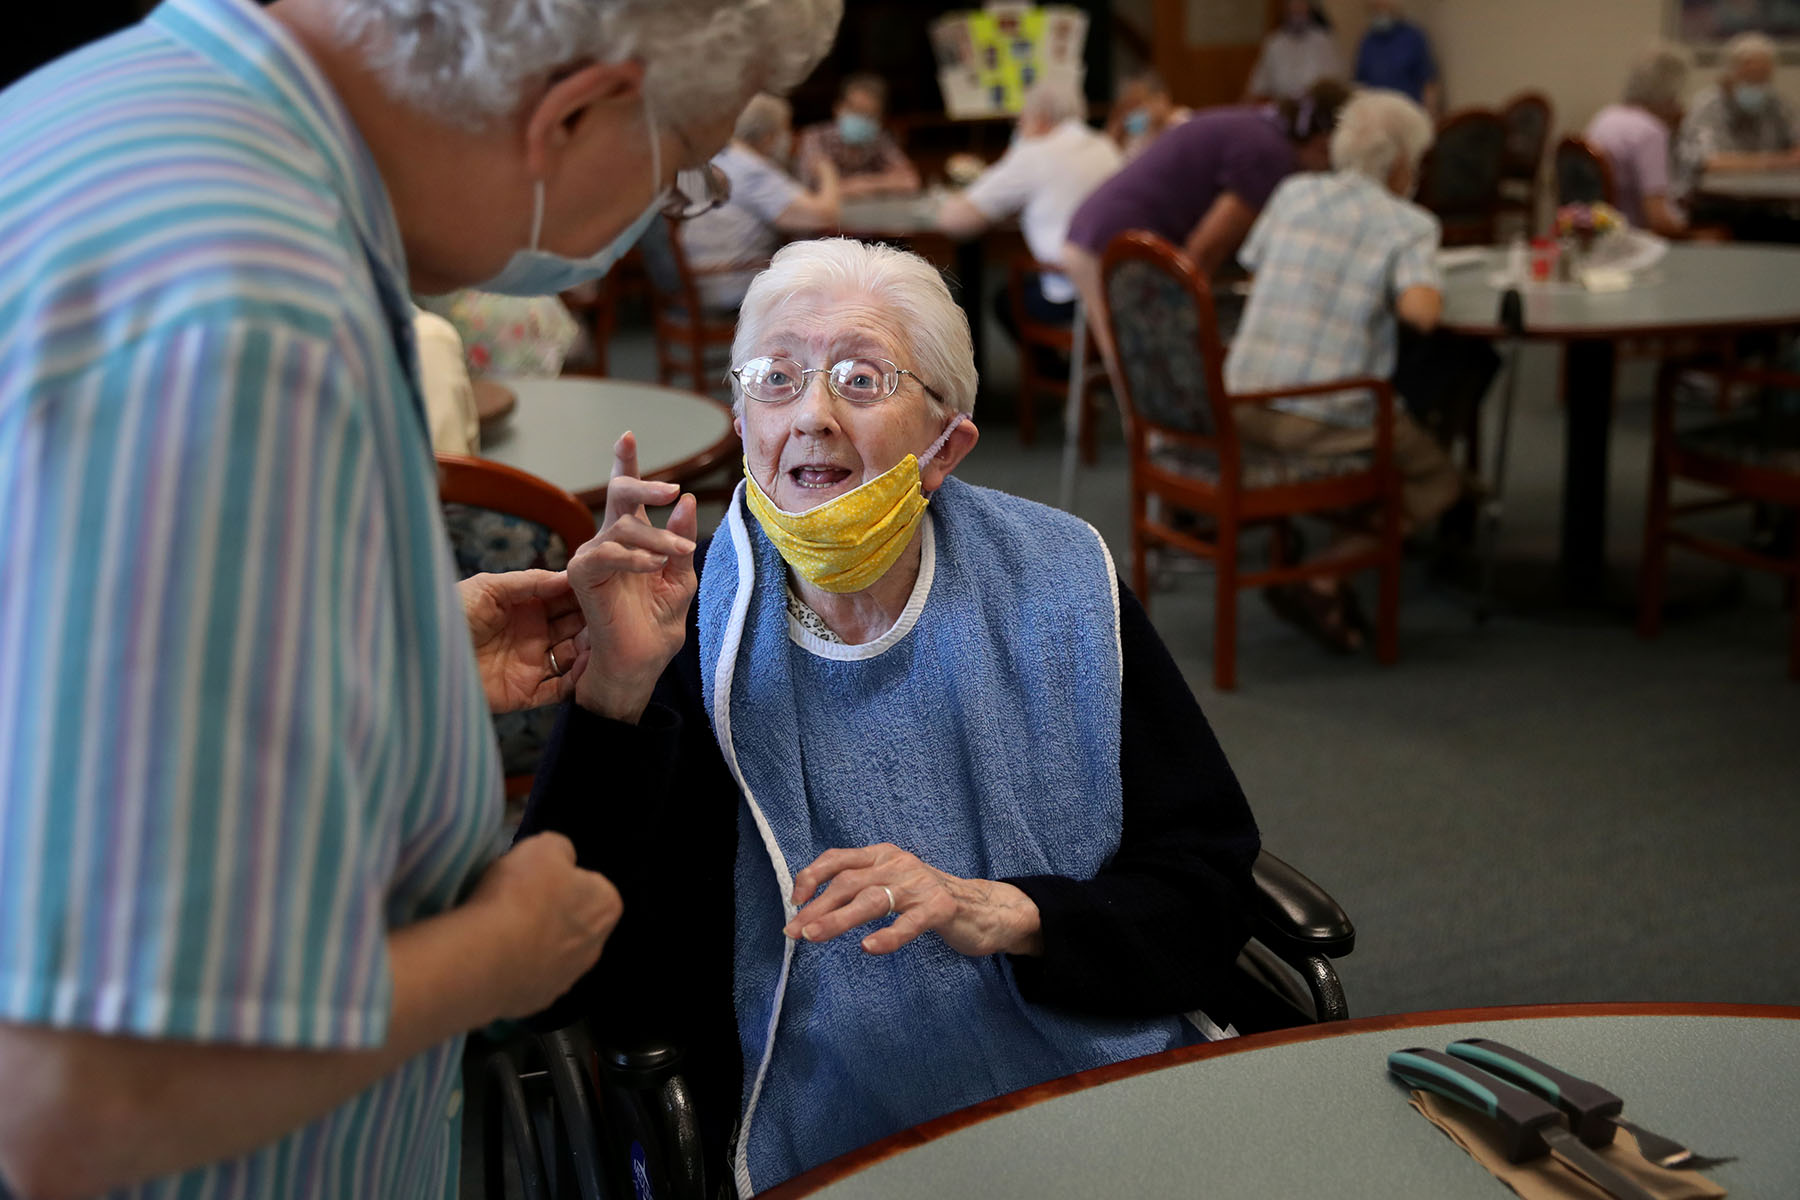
1165,336
546,523
1527,118
1583,175
1461,175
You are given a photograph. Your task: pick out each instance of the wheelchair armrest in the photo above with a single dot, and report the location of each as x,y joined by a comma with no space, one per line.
1295,917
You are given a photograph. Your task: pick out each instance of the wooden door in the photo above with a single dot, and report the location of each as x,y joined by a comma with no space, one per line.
1206,49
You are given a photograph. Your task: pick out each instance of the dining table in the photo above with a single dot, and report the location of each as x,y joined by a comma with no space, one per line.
563,429
1697,290
1781,185
1314,1112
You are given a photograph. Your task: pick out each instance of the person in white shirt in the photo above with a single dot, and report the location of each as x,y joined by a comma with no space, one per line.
444,378
766,203
1051,168
1300,53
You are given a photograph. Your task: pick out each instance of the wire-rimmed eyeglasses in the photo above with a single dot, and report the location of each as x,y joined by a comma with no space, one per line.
696,191
776,380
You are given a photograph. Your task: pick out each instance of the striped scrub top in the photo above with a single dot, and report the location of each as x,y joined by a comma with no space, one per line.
242,734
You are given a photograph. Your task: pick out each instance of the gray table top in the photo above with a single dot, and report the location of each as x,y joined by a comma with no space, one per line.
1779,185
1695,289
1323,1118
897,216
563,429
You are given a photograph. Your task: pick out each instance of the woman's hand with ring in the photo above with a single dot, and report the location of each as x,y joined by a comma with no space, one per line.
975,917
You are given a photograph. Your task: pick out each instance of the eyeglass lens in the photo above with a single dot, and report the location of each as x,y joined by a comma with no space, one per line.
858,380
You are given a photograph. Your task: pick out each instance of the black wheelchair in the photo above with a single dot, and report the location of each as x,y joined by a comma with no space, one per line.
561,1117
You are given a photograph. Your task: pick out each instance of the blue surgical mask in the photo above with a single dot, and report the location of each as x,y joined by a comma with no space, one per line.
535,272
1137,122
857,129
1749,97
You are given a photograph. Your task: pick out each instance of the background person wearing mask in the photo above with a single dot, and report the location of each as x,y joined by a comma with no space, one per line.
1054,165
1634,136
249,787
1395,54
1739,123
765,203
866,156
1141,111
1298,54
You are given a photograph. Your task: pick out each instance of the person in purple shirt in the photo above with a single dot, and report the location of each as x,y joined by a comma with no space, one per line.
1395,54
1634,134
1200,186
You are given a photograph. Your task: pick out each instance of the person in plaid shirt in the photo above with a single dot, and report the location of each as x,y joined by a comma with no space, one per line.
1341,258
867,158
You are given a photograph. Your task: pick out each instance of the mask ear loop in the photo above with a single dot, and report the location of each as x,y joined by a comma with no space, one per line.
944,437
657,189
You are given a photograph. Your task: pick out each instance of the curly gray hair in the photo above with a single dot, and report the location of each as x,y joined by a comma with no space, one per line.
1657,79
471,60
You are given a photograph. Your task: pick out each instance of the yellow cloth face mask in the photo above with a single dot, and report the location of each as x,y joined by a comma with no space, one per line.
847,543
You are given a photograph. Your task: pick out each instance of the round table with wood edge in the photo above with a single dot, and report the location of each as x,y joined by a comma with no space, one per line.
563,431
1313,1112
1697,290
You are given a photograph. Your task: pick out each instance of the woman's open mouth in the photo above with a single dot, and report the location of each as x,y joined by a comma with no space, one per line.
818,477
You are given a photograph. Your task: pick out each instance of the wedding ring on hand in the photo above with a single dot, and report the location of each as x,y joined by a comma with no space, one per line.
555,668
890,895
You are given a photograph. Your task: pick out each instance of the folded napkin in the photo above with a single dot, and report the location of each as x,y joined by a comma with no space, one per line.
1549,1178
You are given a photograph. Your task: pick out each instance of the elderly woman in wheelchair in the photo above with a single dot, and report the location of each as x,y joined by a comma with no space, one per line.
907,801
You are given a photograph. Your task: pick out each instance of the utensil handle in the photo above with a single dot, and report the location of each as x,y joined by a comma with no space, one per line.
1590,1107
1521,1115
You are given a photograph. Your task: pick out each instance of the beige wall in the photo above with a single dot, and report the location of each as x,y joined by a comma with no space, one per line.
1576,51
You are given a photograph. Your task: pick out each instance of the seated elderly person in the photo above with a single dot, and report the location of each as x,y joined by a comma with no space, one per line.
1739,123
865,155
1634,137
765,203
911,807
1339,259
1142,110
1056,161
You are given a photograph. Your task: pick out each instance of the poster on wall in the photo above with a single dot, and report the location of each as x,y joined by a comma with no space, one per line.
1709,22
989,58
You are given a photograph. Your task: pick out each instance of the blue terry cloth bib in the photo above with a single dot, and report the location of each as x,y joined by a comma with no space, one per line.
981,734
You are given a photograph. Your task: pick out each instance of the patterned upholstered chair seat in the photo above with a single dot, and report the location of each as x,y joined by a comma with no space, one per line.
1260,470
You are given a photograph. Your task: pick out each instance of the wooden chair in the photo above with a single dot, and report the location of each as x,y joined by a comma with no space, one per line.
1527,117
502,519
1036,337
1460,178
693,340
1753,458
1185,450
1583,174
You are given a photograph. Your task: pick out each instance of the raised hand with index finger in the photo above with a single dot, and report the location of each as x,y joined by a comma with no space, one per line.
634,583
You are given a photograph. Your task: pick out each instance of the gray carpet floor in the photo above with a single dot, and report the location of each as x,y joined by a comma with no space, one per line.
1544,808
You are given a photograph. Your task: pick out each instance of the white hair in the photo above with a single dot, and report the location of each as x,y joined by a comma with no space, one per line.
1053,103
1747,48
1379,130
1657,79
471,61
764,116
831,269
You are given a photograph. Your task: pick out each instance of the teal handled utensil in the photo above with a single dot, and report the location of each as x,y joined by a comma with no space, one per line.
1532,1127
1593,1112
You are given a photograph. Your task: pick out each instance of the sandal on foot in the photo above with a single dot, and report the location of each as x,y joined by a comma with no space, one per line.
1327,618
